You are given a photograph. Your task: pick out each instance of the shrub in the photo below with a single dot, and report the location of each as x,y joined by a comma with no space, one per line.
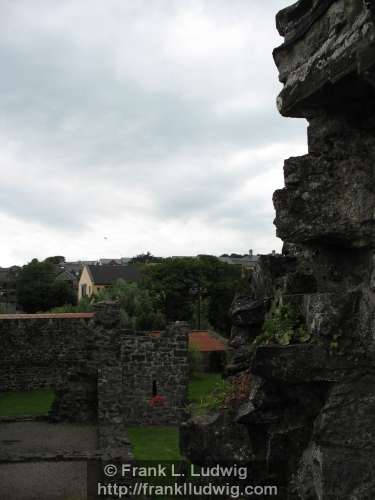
284,327
213,401
137,308
84,305
38,290
157,400
227,394
238,390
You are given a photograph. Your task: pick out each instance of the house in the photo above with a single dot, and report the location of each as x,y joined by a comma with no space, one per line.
68,277
75,268
98,277
248,262
122,261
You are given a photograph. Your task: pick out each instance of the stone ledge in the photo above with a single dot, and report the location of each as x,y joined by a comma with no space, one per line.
24,418
87,315
68,456
299,363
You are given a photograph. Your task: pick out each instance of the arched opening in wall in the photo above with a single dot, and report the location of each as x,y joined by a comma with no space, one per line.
77,398
154,388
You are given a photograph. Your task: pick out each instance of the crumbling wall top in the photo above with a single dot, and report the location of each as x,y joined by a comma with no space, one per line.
326,42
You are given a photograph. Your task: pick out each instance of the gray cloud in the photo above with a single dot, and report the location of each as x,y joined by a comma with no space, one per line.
159,111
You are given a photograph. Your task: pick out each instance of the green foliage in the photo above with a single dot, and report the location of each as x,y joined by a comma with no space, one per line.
195,359
138,309
222,293
207,392
56,259
62,293
38,290
210,392
202,384
145,258
84,305
169,283
172,281
238,390
284,327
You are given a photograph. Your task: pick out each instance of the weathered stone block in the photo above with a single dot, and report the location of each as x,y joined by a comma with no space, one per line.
209,439
298,363
320,201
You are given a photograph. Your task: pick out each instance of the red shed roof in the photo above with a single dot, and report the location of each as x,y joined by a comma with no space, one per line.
203,341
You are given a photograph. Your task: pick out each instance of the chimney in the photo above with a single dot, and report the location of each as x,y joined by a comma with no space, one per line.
273,252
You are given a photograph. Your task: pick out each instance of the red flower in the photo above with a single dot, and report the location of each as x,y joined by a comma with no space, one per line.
157,400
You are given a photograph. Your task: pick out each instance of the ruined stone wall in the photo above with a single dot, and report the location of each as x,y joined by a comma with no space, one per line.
97,368
311,404
326,210
155,364
40,352
150,366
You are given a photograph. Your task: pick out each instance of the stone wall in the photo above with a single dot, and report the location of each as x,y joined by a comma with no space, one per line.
150,366
97,368
41,351
311,403
326,210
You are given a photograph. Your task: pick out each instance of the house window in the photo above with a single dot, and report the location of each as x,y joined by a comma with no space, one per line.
84,290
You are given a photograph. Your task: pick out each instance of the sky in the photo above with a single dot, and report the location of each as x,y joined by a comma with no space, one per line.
129,126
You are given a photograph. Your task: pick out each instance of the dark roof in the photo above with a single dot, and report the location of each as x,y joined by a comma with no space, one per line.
65,275
106,275
76,267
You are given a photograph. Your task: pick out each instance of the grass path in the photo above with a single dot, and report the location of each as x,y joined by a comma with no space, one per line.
155,443
201,385
38,402
148,443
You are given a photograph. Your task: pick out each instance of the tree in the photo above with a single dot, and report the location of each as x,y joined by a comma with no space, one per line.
181,285
37,289
138,310
62,293
170,282
56,259
145,258
84,305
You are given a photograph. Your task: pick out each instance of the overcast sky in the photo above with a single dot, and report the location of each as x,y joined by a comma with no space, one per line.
129,126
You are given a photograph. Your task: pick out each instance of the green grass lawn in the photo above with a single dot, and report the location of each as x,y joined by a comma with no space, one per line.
155,443
36,402
202,384
162,443
148,443
202,388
